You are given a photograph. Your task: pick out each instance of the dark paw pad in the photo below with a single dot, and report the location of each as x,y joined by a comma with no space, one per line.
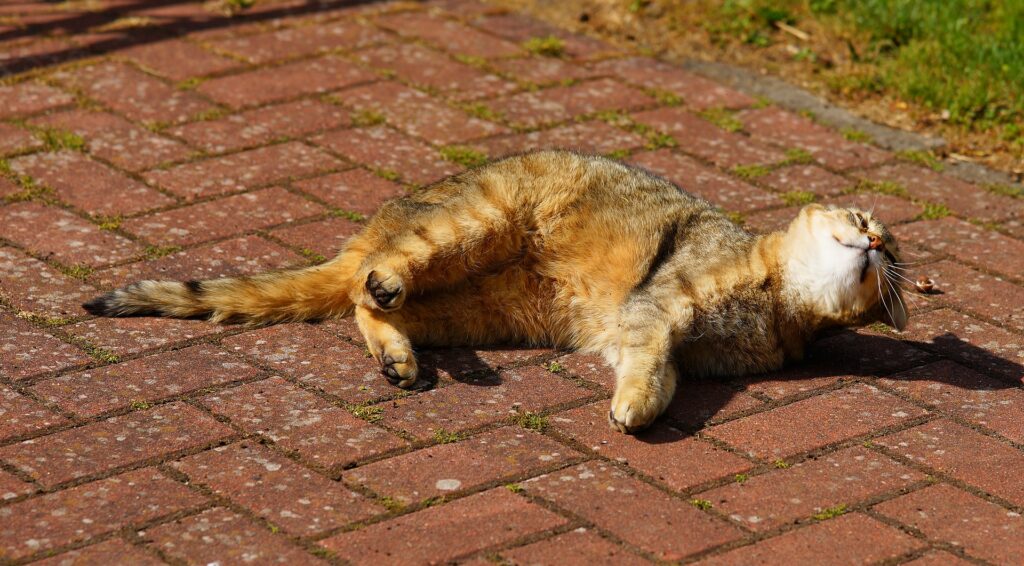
385,292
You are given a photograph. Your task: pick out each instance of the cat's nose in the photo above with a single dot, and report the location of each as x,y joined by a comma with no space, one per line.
875,242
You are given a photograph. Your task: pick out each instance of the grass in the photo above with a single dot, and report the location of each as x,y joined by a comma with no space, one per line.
798,198
665,97
549,46
934,211
741,478
56,140
77,271
618,154
157,252
554,367
465,156
529,420
658,140
750,171
702,504
442,436
482,111
855,135
796,156
514,488
363,118
1005,190
109,222
780,464
882,187
830,513
722,118
372,413
921,158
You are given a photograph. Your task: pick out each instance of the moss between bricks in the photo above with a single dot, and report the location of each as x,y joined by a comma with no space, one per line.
363,118
549,46
442,436
798,198
529,420
465,156
831,512
725,119
921,158
57,140
372,413
703,504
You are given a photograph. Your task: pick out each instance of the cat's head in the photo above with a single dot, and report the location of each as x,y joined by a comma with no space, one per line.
845,264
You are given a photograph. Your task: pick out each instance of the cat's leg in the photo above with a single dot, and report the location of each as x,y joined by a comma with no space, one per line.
645,375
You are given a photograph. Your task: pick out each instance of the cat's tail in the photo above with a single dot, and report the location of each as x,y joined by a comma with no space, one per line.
316,292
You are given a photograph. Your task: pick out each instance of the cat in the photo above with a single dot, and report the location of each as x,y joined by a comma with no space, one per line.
562,249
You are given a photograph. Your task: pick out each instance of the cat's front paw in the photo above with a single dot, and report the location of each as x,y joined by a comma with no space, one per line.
399,366
634,409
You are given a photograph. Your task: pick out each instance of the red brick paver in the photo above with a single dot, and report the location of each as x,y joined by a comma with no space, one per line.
214,145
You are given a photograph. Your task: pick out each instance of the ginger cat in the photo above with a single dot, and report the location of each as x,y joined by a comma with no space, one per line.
572,251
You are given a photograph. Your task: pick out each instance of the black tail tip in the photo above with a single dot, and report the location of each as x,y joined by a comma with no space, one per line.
100,306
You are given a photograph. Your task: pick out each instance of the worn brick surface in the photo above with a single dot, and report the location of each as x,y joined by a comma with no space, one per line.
542,70
962,198
26,351
850,539
273,487
59,234
427,68
705,140
696,178
438,534
85,511
781,127
814,422
88,185
20,414
221,536
292,42
31,285
115,139
962,240
14,139
810,178
178,60
449,35
110,551
12,487
114,442
655,452
535,108
590,137
325,237
618,503
520,28
244,170
299,421
469,404
261,125
964,454
697,92
445,469
286,81
141,380
123,336
984,294
985,530
578,547
385,149
355,190
976,344
784,496
28,98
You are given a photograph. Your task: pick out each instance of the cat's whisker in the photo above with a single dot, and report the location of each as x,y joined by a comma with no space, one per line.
895,292
881,298
897,274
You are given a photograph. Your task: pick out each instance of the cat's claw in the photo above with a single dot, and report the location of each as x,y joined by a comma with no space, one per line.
399,368
387,289
633,411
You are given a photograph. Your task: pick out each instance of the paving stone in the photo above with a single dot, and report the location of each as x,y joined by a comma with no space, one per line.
8,188
417,114
961,391
388,150
542,70
964,454
988,249
287,81
589,137
784,496
245,170
26,351
219,536
961,197
115,139
519,28
239,256
945,513
216,219
111,551
439,534
142,380
125,336
617,503
577,547
324,237
118,441
815,422
889,209
850,539
696,91
177,59
299,421
312,356
809,178
56,233
590,367
864,353
445,469
355,190
89,185
296,499
705,182
30,285
305,40
465,405
938,558
13,139
28,98
38,524
700,401
973,343
448,34
135,94
11,486
536,108
437,72
984,294
21,415
262,125
778,126
655,452
705,140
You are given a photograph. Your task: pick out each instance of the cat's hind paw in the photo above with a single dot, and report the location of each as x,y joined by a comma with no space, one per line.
399,367
386,289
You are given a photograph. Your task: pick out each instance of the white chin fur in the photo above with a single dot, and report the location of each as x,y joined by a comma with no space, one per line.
830,274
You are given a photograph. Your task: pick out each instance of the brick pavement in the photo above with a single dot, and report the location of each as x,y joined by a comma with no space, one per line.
145,139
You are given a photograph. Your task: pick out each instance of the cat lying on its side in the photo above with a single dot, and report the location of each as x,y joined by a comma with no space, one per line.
572,251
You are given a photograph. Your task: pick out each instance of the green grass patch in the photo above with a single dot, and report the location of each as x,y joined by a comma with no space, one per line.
750,171
355,216
921,158
101,354
934,211
471,60
702,504
366,117
1004,190
725,119
77,271
139,405
369,413
391,504
554,367
795,156
855,135
736,217
741,478
665,97
157,252
482,111
56,140
442,436
312,255
891,188
529,420
109,222
780,464
514,488
465,156
549,46
618,154
830,513
658,140
189,83
798,198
